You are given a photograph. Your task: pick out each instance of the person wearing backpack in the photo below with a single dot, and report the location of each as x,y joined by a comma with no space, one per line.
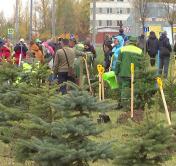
121,33
165,50
63,64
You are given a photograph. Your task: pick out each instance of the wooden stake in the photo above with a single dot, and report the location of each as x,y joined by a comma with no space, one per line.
102,87
81,74
132,90
110,67
165,107
101,70
88,76
160,84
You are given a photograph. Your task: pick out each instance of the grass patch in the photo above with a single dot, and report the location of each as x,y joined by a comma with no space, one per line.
112,131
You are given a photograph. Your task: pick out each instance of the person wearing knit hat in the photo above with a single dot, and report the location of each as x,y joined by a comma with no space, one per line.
128,54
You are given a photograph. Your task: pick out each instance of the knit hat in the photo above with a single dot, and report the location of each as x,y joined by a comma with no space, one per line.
132,39
38,41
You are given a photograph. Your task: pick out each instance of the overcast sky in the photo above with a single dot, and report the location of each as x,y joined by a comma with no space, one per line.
8,6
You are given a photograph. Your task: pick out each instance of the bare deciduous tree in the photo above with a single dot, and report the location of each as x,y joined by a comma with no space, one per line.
141,10
170,7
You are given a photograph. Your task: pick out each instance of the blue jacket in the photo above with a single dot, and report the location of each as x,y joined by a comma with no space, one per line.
116,51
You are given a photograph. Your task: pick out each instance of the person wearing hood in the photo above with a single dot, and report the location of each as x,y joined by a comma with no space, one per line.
117,45
152,47
165,50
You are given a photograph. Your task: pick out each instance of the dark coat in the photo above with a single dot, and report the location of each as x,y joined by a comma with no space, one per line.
20,48
152,45
107,59
164,46
175,47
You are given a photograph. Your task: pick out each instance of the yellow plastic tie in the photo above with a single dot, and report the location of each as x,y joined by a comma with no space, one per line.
100,69
132,68
160,83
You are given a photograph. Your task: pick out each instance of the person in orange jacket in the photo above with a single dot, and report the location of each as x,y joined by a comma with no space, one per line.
36,51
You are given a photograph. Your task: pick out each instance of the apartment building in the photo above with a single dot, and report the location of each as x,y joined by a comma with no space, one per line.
113,14
110,16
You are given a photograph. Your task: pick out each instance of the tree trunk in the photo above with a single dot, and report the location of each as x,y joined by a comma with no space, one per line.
143,26
172,33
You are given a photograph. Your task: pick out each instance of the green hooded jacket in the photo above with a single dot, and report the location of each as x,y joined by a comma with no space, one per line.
128,54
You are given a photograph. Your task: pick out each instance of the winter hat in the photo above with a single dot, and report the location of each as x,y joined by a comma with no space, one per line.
132,39
38,41
22,40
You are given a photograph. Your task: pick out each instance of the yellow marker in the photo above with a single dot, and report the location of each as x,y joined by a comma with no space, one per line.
132,68
160,83
101,70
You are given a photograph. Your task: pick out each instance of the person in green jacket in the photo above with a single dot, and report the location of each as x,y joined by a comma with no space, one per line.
130,53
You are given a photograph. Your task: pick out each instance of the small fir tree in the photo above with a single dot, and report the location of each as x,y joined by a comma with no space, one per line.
170,94
65,136
150,143
42,126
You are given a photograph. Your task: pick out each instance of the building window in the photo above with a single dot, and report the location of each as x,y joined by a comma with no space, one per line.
100,23
128,10
119,22
109,22
109,10
100,10
119,11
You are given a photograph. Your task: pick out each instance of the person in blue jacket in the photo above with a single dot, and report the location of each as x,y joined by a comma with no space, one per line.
118,44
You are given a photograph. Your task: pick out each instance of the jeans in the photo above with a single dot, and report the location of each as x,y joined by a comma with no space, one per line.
152,59
164,63
63,77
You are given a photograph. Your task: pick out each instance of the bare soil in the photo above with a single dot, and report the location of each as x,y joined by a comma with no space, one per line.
124,117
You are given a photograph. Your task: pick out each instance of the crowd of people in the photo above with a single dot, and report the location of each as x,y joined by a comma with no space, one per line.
153,47
59,54
119,52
